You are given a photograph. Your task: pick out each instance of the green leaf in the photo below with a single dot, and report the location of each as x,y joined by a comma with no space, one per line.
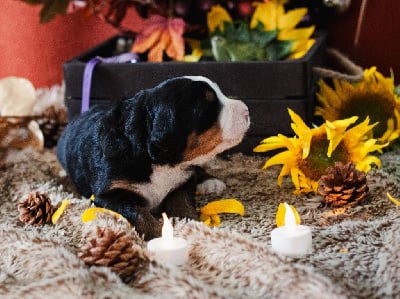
278,50
242,33
242,52
219,48
262,38
51,8
206,47
397,90
229,31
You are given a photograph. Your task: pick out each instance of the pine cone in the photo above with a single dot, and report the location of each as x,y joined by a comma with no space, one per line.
36,209
114,249
52,122
343,184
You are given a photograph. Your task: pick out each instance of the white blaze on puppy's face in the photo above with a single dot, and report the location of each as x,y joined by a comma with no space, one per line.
233,120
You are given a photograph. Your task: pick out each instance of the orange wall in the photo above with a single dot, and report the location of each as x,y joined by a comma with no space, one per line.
37,51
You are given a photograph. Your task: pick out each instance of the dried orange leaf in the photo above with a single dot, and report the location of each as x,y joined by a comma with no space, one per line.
161,35
176,48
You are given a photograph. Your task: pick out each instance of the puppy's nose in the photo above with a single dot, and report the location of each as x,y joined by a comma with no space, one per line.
246,114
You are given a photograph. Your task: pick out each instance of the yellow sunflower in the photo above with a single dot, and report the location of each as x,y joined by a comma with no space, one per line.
374,96
273,16
216,18
312,150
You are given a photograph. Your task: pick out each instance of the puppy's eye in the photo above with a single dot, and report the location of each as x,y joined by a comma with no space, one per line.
210,96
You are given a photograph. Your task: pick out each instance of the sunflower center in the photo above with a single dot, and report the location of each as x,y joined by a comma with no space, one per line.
379,106
315,165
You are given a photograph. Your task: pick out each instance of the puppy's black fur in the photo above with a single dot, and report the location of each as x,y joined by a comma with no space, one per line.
112,153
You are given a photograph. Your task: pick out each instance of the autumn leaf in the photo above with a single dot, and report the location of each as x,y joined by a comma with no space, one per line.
161,35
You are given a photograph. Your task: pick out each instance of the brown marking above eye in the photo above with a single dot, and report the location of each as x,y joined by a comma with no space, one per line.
123,185
210,96
202,144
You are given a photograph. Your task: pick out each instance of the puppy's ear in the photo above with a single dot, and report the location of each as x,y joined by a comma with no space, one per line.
167,141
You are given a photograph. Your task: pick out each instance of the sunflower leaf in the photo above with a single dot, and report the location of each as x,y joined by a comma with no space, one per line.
242,33
278,50
397,90
260,37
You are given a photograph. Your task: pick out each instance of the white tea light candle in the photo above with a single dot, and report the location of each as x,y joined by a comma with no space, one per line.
291,239
169,248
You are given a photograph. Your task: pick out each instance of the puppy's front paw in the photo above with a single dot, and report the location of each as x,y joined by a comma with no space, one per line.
211,186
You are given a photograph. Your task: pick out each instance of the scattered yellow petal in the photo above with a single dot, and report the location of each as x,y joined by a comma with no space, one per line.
91,213
209,213
280,215
56,215
394,200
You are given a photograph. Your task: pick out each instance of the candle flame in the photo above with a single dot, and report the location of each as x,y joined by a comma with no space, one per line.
281,213
290,218
167,231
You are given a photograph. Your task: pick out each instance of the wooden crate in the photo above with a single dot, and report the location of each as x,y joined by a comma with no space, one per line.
268,88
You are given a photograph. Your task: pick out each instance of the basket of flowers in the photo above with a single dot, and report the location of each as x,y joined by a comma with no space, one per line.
260,52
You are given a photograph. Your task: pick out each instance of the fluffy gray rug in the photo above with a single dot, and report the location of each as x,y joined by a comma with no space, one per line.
356,252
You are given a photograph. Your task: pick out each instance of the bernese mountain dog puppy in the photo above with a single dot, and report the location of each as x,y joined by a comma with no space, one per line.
141,156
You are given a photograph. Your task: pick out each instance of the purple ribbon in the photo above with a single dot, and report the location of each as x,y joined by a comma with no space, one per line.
88,72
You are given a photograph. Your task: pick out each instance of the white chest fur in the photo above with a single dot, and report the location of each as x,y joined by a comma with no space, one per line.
163,180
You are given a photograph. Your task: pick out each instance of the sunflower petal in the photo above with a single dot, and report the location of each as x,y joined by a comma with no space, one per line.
296,34
266,13
299,124
291,18
335,132
277,159
327,96
365,164
295,173
303,131
209,213
270,143
302,45
91,213
57,214
216,18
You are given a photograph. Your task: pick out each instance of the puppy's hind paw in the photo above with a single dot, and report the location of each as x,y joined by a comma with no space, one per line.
211,186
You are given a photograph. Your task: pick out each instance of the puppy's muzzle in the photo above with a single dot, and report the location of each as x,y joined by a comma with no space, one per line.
235,120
